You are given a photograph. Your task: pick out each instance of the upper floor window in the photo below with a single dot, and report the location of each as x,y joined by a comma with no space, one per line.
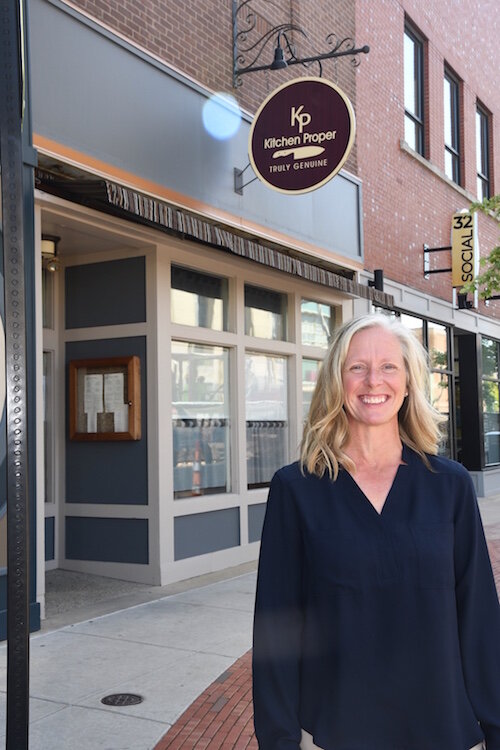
451,128
414,90
482,154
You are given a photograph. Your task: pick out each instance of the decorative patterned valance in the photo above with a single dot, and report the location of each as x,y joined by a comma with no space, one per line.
194,228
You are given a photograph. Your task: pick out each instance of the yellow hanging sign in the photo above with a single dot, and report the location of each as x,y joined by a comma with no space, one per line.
463,249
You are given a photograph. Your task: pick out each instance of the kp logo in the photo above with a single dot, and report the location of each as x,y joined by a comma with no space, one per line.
297,116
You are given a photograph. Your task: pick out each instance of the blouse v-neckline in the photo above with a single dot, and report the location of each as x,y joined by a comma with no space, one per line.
404,463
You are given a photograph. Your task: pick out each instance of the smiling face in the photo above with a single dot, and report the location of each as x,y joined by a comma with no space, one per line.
374,378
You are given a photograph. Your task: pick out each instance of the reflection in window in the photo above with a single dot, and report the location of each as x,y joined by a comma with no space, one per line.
265,313
413,91
489,350
415,325
438,346
440,399
451,128
198,299
482,154
491,401
266,417
200,419
435,338
310,370
317,323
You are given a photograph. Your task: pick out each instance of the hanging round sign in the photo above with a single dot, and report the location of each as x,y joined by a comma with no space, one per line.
301,135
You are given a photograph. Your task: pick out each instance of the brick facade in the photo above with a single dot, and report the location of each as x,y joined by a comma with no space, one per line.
196,38
407,201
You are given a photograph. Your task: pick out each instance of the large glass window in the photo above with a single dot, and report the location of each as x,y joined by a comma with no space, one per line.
435,338
317,323
310,370
416,325
439,359
266,416
414,90
451,128
200,417
491,401
482,154
198,299
265,313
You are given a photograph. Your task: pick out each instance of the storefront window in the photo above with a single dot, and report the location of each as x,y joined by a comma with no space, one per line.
489,350
310,370
491,401
198,299
415,325
435,338
440,399
438,346
265,313
317,323
200,418
266,416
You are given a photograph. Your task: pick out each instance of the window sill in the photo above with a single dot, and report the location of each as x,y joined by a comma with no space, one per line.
436,171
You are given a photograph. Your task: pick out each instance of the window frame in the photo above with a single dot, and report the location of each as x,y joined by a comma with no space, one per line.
417,118
483,172
447,371
495,380
453,148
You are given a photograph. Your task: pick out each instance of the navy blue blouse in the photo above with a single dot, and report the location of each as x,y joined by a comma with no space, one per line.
376,631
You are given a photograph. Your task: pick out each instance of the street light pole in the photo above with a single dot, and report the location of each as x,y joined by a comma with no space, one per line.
11,163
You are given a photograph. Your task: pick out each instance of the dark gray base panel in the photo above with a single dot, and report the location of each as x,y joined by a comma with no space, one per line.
256,515
120,540
49,538
202,533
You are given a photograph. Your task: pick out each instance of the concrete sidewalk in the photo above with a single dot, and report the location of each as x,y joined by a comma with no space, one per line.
167,651
186,654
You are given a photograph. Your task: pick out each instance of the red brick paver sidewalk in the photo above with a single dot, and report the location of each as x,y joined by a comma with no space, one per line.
222,717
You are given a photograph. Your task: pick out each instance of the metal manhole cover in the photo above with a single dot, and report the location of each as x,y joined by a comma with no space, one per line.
122,699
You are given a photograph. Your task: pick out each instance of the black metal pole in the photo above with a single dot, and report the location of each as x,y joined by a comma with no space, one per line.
11,162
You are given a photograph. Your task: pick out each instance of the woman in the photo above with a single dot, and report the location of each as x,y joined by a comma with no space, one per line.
377,622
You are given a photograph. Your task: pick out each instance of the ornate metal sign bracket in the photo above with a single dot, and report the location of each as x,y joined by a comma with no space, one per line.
248,46
238,179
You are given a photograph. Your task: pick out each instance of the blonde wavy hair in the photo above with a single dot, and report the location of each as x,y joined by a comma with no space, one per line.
327,430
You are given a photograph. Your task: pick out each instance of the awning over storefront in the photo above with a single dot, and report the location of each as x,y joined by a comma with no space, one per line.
111,197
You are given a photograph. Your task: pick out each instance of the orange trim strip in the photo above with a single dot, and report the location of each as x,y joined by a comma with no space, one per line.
128,179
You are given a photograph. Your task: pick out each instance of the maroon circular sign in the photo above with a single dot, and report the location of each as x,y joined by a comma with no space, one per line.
301,135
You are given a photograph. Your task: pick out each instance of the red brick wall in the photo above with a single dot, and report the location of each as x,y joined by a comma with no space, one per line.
405,203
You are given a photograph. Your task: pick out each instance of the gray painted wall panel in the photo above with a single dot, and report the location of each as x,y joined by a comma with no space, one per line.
106,294
256,515
109,472
201,533
49,537
106,100
122,540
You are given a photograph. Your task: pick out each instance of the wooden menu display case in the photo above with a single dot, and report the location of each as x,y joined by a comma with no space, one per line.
105,399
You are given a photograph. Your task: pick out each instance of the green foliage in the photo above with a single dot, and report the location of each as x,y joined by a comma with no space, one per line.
487,282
